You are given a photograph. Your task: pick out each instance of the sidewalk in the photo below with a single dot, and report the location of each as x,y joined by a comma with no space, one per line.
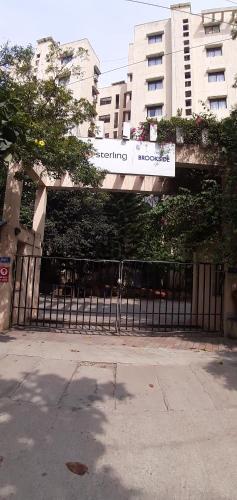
149,422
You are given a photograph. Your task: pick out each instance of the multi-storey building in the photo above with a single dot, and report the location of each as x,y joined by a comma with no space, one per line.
114,108
178,64
83,86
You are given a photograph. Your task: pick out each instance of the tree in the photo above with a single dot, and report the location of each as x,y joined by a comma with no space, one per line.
189,222
37,117
76,224
96,225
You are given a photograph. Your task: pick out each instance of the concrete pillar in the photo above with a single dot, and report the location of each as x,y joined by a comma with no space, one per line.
38,227
40,211
9,239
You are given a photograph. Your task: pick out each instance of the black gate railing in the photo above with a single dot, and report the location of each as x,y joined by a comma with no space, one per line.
116,296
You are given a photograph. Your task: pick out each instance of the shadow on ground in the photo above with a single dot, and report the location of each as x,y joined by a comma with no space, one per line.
41,430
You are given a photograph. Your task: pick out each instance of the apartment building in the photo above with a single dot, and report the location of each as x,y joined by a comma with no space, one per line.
178,64
114,108
83,86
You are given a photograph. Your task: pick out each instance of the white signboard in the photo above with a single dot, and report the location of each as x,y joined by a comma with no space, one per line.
134,157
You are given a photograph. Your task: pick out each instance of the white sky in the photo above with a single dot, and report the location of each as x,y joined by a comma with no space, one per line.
108,24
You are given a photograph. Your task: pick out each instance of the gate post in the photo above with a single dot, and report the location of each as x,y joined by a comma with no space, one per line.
38,227
9,239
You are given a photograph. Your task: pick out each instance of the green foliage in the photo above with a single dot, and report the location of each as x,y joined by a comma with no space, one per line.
42,117
188,221
96,225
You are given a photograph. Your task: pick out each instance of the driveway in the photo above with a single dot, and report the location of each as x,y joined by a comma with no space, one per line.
149,422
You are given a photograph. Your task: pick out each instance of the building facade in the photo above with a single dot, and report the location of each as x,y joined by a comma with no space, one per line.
114,108
179,64
82,86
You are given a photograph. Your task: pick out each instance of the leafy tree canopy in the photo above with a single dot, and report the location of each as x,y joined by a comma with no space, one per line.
37,117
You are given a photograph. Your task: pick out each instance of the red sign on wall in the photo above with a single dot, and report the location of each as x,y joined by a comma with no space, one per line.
4,274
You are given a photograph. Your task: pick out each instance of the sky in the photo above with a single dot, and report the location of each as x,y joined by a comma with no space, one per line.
108,24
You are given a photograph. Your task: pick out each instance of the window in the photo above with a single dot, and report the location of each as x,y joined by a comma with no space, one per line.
37,62
154,60
153,111
127,98
188,74
115,134
214,51
155,84
186,33
38,56
130,77
104,118
155,38
107,136
117,101
209,30
187,58
126,116
185,27
187,66
66,59
188,93
64,81
188,112
218,103
186,50
216,76
115,120
185,21
186,42
105,100
188,84
188,103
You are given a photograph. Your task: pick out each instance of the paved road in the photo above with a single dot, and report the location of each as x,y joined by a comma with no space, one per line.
149,423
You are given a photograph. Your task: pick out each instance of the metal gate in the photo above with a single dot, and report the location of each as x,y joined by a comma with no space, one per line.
119,297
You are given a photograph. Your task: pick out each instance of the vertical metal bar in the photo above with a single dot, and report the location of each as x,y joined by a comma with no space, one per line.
51,305
96,314
172,299
140,307
104,302
38,301
153,310
221,298
204,295
166,309
33,289
215,295
84,307
185,294
57,306
126,320
64,298
160,300
20,288
90,310
44,308
27,282
14,274
209,304
110,305
70,312
77,301
191,302
180,293
198,279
